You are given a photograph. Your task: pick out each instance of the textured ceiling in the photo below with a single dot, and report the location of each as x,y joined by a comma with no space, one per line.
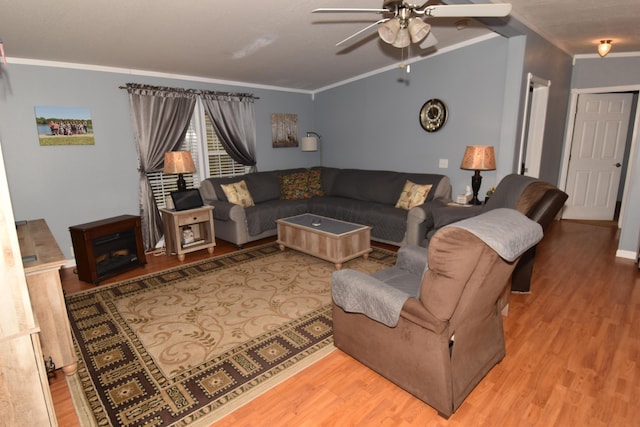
273,43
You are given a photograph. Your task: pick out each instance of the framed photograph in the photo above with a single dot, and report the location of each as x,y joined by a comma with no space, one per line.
284,130
64,126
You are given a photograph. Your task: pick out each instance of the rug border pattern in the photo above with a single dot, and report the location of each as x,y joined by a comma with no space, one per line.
149,377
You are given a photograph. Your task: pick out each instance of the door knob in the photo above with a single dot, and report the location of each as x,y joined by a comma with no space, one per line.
617,165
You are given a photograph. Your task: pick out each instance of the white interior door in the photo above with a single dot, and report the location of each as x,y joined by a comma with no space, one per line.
597,153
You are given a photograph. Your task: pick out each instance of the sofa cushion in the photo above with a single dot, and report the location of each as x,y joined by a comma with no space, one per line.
425,178
315,183
238,193
327,178
301,185
217,186
370,186
263,217
294,186
412,195
449,269
263,186
389,223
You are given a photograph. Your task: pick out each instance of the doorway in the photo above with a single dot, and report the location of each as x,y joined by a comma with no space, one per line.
629,149
532,137
598,148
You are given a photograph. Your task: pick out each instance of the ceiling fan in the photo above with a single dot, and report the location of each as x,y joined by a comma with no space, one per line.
403,23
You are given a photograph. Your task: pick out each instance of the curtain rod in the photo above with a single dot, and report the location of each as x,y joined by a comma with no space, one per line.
195,91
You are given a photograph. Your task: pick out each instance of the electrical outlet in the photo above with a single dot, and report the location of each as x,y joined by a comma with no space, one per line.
71,252
443,164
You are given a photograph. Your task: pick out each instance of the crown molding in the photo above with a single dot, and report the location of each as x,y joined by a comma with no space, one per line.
145,73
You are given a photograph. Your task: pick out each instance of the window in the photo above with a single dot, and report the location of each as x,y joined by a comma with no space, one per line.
203,143
219,162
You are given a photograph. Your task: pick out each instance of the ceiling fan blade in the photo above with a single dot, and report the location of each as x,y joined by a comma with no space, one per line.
428,41
365,29
469,10
347,9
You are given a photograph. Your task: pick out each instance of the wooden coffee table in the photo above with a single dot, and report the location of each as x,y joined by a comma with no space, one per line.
326,238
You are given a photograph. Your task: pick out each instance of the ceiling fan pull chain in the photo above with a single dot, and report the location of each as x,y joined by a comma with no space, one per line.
407,67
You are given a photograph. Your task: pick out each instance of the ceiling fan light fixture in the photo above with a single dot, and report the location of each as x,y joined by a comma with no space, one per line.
403,39
604,47
388,31
418,29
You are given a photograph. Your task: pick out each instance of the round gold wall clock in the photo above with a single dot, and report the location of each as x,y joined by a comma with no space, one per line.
433,115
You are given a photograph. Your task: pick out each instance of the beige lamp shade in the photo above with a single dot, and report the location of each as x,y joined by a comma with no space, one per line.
309,143
389,30
479,158
418,29
403,39
178,162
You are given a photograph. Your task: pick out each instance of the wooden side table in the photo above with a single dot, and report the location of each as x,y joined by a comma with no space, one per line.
188,231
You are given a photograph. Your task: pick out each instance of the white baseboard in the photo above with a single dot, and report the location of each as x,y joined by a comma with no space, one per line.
626,254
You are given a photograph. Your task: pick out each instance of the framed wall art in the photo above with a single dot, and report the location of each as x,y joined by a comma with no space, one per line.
64,126
284,130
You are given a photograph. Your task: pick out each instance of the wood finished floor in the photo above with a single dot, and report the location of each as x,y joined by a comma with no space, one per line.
573,353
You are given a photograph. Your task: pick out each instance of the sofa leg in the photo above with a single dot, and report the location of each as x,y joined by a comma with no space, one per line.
238,247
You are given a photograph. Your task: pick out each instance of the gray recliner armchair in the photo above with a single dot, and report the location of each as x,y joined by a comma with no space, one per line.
432,324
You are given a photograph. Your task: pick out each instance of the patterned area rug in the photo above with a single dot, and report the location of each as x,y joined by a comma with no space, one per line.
189,345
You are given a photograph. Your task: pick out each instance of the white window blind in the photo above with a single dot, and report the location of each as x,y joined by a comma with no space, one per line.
219,162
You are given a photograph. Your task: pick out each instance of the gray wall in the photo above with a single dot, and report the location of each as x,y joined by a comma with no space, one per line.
373,123
69,185
612,74
547,62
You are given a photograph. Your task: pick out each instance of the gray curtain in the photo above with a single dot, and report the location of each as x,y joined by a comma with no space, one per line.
234,120
160,119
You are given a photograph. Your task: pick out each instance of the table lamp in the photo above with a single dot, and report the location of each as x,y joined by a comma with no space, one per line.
179,162
478,158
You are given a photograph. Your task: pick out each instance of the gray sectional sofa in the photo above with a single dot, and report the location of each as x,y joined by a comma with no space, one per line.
361,196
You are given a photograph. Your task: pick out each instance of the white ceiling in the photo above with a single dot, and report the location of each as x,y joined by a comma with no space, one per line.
270,42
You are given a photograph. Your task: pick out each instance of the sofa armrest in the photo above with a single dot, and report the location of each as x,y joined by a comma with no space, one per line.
420,220
226,211
207,191
445,215
443,189
357,292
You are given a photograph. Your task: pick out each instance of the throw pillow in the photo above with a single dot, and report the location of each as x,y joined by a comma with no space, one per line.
238,193
294,186
314,183
412,195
